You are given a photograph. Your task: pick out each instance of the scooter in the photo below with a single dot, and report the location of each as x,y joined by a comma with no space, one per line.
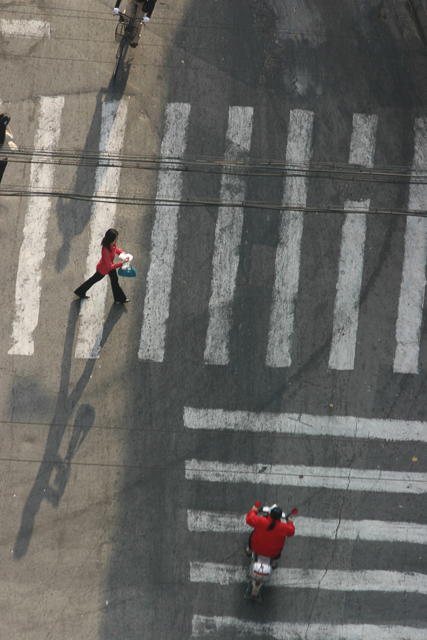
262,566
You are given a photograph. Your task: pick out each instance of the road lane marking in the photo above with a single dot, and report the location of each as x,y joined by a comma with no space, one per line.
228,235
25,28
366,530
216,626
103,215
350,270
164,237
412,288
302,476
304,424
288,252
33,247
330,580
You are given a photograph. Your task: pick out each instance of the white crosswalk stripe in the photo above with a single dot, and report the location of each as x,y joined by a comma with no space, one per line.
36,29
304,424
29,275
228,235
330,580
288,253
164,238
103,216
217,626
346,311
412,290
303,476
367,530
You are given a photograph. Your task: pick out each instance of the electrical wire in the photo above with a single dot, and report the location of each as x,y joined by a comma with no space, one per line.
255,168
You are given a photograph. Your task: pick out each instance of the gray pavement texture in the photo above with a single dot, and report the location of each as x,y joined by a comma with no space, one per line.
94,541
419,8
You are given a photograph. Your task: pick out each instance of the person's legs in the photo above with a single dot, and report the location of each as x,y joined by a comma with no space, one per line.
3,164
81,291
139,14
118,293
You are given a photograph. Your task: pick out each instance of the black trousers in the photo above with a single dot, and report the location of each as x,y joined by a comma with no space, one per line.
118,293
3,164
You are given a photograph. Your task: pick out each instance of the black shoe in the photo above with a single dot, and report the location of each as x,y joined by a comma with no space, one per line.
81,297
133,44
248,552
122,301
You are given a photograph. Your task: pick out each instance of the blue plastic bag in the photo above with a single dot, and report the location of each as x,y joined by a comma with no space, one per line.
127,271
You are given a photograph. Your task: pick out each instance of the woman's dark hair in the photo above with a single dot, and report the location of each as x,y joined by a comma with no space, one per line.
275,515
4,121
109,237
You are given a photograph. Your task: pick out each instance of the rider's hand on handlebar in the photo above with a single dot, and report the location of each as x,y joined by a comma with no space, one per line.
116,11
289,520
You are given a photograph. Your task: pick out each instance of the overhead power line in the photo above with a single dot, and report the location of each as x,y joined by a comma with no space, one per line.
387,174
255,168
136,200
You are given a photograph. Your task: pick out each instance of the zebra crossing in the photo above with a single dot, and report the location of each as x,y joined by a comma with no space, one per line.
227,244
368,580
103,216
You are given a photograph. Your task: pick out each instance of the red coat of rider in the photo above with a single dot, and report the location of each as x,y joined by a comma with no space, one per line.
268,543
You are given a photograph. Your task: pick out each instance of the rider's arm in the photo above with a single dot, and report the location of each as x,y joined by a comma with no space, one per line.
252,517
117,5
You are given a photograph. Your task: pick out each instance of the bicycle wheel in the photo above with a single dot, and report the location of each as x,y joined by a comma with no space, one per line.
118,57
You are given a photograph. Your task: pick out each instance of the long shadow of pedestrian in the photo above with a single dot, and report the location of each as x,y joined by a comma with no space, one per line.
65,405
74,215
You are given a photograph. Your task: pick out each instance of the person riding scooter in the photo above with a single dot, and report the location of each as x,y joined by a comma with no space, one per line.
269,534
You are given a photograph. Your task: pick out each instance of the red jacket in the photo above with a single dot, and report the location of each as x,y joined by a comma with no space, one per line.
268,543
105,265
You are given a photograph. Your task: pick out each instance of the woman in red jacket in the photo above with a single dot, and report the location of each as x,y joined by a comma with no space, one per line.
106,266
269,534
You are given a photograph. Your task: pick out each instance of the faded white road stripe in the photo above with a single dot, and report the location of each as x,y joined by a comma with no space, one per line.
288,253
228,234
107,179
164,238
302,476
25,28
216,626
304,424
32,252
366,530
350,270
330,580
412,288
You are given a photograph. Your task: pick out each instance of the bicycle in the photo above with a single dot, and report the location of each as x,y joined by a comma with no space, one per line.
125,34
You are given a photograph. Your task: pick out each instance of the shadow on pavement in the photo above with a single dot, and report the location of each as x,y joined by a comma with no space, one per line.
73,215
65,406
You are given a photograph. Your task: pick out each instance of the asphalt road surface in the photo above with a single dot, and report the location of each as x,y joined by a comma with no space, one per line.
259,159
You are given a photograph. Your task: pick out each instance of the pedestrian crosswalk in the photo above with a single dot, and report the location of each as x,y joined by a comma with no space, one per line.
367,530
103,216
350,269
218,626
343,580
227,244
32,251
228,236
